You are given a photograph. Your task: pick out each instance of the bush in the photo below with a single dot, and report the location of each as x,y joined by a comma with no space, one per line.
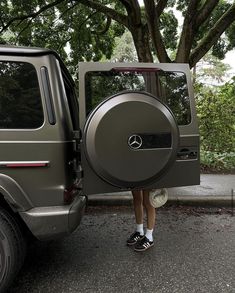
216,113
218,161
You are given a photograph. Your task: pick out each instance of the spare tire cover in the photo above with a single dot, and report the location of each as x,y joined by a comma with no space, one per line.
131,139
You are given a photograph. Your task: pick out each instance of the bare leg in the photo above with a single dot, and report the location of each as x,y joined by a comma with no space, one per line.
138,206
150,210
139,218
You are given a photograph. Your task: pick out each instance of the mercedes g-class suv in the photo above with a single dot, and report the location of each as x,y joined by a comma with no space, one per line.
132,127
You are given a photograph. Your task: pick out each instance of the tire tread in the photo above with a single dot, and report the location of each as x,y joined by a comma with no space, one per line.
16,247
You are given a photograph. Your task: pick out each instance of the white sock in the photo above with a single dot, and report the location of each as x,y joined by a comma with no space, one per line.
149,234
140,228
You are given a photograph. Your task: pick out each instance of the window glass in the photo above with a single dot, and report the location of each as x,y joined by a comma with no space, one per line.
170,87
20,99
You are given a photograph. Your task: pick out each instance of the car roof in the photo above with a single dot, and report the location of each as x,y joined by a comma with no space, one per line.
33,51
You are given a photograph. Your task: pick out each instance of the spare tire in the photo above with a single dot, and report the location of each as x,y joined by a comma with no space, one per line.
131,139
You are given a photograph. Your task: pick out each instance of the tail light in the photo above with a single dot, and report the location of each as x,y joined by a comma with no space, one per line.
136,69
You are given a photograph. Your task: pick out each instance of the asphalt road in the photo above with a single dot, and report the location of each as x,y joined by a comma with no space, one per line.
194,252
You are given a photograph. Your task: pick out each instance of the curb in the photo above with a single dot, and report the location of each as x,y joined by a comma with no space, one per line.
126,199
202,201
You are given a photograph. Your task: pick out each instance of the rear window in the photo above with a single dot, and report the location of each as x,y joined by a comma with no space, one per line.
20,99
169,87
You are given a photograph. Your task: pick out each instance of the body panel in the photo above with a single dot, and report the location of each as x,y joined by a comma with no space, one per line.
57,221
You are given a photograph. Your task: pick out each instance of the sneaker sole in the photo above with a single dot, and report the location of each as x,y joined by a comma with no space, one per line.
143,249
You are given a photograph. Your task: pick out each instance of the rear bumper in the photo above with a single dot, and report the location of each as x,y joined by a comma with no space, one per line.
48,223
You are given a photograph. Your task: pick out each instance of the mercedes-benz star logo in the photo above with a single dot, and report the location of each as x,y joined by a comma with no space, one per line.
135,141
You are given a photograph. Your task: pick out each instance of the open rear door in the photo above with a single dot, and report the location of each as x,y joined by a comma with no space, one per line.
139,128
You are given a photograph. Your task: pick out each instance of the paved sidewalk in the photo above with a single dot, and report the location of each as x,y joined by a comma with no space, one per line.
214,190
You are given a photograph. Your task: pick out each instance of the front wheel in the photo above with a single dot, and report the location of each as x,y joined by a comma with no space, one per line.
12,249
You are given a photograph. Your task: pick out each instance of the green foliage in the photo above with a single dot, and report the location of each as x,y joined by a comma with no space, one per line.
216,113
124,50
218,161
223,45
81,31
168,25
76,32
231,36
210,70
182,5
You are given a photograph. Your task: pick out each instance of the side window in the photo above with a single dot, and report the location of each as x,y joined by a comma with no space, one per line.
72,103
20,99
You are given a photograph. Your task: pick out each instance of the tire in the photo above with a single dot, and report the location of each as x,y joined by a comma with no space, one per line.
131,152
12,249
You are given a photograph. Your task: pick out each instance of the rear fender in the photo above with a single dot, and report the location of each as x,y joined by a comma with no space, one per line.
14,194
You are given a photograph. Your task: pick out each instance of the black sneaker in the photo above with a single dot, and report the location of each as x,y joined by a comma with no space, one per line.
134,238
143,244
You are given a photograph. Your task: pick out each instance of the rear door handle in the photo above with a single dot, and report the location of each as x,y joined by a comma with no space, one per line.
185,154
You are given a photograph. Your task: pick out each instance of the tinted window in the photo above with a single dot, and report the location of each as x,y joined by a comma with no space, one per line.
170,87
20,99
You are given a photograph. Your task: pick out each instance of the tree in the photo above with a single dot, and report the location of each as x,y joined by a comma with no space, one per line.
216,109
59,24
211,71
124,50
88,25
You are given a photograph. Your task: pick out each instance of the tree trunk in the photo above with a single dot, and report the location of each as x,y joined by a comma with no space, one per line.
141,40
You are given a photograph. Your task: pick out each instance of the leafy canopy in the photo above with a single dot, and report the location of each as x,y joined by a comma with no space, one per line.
89,27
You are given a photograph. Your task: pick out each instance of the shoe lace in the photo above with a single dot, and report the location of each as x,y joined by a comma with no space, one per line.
144,240
134,235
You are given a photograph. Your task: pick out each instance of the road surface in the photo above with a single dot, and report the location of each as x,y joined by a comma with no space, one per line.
194,251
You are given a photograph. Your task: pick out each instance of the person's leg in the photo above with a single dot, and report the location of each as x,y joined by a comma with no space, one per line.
139,215
138,206
151,215
150,210
147,241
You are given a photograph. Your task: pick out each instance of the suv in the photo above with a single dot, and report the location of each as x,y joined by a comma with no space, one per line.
133,126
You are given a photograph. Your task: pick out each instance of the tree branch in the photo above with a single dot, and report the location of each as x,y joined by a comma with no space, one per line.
213,35
63,44
111,13
188,33
105,29
63,13
153,25
107,26
127,5
2,23
122,19
133,11
31,15
24,29
136,10
161,5
205,11
87,18
67,10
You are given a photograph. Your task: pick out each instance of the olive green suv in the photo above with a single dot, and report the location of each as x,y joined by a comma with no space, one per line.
133,127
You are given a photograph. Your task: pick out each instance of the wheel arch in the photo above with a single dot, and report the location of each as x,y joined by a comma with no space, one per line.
13,195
